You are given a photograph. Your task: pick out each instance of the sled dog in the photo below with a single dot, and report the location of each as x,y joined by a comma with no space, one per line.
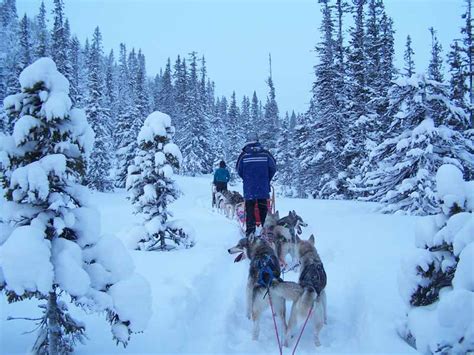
261,254
313,281
226,202
283,232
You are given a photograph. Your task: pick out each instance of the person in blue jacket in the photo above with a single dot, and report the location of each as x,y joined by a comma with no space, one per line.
256,166
221,177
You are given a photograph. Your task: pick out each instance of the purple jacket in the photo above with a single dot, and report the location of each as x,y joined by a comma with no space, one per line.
256,166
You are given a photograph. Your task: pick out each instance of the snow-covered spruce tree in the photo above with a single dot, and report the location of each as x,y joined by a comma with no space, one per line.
50,243
98,172
127,115
409,67
234,133
425,134
194,137
327,136
437,280
354,151
270,122
151,187
42,35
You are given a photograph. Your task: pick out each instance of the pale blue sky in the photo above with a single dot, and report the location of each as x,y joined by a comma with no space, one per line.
237,35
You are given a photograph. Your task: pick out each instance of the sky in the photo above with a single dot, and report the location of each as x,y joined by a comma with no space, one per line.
236,36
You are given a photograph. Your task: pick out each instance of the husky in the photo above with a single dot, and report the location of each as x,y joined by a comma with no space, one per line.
226,202
262,255
313,281
283,232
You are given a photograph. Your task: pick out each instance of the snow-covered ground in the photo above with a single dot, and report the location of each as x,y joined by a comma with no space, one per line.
199,293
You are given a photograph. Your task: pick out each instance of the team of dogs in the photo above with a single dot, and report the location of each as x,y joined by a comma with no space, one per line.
281,237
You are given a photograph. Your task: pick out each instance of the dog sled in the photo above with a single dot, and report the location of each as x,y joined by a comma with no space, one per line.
237,210
240,211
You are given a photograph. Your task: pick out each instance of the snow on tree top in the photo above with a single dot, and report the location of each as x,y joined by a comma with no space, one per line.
155,125
44,70
173,149
451,188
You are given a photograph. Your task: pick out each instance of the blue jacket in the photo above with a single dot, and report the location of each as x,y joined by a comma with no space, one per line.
256,166
221,175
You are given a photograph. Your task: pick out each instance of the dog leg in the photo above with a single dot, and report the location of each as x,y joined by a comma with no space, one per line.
324,304
256,313
292,323
318,322
318,319
280,310
249,298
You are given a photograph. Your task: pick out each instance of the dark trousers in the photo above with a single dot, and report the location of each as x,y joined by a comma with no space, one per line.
250,214
220,186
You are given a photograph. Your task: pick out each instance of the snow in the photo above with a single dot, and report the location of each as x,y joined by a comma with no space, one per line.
86,225
33,178
446,324
124,294
23,127
69,274
82,130
329,147
199,293
450,186
112,255
44,69
464,276
25,261
173,149
155,125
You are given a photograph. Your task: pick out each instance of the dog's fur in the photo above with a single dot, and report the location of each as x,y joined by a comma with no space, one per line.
257,250
226,202
283,232
313,280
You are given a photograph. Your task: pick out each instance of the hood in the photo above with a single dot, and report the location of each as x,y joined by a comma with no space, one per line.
252,147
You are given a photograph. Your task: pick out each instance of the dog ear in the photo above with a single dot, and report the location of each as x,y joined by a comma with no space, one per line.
251,238
311,239
277,214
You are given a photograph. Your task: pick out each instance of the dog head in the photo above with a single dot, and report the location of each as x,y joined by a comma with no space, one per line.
296,221
242,248
248,247
304,246
271,220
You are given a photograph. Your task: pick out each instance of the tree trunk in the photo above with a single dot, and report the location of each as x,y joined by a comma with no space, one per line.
54,331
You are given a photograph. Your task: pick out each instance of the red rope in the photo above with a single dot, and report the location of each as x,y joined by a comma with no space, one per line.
302,329
274,323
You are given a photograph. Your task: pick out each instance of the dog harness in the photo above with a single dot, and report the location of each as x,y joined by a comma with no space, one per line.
314,276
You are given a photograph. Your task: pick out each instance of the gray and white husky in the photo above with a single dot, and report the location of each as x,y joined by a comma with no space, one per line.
283,232
260,252
226,202
313,281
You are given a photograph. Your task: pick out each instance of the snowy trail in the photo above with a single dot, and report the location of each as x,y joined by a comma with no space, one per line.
199,293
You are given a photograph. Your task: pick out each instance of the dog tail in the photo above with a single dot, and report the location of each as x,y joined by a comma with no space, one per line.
289,290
